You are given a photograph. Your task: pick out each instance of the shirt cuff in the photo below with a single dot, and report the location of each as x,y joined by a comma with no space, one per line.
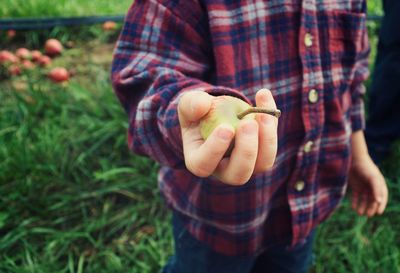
357,112
171,129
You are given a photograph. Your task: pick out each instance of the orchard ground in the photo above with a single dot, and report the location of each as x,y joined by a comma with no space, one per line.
74,199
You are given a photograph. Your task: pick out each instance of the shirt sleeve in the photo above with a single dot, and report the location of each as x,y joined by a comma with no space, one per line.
357,87
162,52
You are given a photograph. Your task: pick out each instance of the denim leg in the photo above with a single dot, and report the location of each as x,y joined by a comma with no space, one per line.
283,260
383,124
193,256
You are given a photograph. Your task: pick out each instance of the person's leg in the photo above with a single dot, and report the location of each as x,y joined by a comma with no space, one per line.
283,260
383,123
193,256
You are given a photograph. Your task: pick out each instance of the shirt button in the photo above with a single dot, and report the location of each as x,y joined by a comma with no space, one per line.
313,96
299,186
308,40
308,146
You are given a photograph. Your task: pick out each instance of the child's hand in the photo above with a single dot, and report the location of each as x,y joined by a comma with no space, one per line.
368,187
255,140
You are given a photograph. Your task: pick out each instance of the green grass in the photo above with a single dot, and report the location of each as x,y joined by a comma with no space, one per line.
375,7
73,199
44,8
60,8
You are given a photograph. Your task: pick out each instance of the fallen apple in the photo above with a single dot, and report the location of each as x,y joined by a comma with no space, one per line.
59,74
11,33
7,57
53,47
36,55
44,60
26,64
230,110
109,25
14,70
23,53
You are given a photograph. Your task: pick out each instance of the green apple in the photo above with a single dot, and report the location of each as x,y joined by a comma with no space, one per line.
229,110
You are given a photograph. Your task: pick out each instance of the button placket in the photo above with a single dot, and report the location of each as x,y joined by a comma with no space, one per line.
308,39
313,96
299,186
308,146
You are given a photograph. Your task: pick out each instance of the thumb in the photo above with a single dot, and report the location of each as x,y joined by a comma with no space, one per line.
192,106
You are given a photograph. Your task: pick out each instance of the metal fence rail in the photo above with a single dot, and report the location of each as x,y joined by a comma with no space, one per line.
51,22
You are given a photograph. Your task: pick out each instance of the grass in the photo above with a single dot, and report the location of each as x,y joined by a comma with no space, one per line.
72,197
374,7
43,8
60,8
74,200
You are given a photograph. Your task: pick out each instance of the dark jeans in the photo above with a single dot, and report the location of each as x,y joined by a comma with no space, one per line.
383,123
193,256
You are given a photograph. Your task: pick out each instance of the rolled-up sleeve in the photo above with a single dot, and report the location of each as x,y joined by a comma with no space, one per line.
358,89
161,53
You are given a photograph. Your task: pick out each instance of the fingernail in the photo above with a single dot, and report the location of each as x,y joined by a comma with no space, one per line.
264,98
265,90
265,94
250,127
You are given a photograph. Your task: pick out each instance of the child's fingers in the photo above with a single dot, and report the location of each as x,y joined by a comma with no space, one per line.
240,166
354,200
383,202
380,193
372,208
203,157
268,135
382,207
362,205
192,106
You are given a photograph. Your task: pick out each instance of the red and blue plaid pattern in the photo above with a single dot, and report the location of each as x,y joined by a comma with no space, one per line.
293,48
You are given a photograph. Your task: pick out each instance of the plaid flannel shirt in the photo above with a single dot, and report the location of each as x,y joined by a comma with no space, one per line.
312,54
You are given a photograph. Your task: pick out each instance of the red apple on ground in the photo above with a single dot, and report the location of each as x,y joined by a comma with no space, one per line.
14,70
53,47
59,74
23,53
11,33
26,64
7,57
109,25
36,55
44,60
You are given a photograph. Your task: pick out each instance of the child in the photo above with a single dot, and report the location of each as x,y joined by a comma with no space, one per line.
257,210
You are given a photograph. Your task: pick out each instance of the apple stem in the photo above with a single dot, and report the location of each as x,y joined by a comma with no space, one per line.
261,110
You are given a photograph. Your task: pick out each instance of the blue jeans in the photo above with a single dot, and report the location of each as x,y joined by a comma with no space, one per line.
383,124
193,256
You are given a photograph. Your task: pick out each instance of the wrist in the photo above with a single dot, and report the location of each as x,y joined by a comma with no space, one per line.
359,150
